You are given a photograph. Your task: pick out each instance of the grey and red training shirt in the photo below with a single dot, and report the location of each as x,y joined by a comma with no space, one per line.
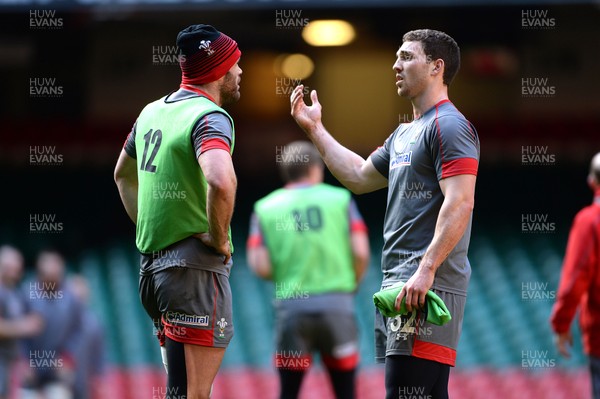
439,144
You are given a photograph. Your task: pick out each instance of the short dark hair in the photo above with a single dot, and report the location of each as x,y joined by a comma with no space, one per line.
437,45
296,159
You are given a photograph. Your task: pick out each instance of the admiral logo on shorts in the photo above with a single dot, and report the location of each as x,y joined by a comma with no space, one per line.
403,159
191,320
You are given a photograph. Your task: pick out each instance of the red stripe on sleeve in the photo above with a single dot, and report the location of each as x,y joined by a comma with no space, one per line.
212,144
358,226
373,152
254,241
461,166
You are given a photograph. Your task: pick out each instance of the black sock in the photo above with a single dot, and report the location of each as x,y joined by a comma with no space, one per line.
343,383
290,382
177,376
413,377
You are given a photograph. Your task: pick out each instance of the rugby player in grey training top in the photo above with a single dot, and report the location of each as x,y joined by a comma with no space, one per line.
430,166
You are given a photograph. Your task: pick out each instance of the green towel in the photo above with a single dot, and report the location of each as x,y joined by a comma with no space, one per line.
437,312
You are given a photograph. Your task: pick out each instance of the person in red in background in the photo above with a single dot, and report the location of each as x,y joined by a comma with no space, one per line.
580,282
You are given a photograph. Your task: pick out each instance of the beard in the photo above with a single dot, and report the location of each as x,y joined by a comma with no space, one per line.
230,92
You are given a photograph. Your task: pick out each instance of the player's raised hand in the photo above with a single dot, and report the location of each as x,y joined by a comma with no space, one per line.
307,117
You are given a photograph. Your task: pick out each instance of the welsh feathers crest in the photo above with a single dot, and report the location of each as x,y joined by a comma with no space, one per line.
222,323
205,45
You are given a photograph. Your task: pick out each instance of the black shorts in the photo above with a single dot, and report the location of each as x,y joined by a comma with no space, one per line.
189,305
334,335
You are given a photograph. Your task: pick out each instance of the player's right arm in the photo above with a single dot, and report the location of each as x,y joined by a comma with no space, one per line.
352,170
212,139
217,167
257,253
127,182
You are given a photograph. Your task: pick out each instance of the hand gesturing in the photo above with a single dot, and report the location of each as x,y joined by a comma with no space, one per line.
306,116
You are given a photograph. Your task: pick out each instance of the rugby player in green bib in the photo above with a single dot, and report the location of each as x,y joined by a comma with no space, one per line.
176,179
309,238
429,167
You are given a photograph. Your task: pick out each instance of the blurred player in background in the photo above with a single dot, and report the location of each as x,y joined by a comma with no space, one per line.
16,319
90,355
176,180
50,371
309,238
580,282
430,167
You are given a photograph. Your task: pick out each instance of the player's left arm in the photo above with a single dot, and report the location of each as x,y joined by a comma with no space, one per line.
575,280
127,182
453,218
